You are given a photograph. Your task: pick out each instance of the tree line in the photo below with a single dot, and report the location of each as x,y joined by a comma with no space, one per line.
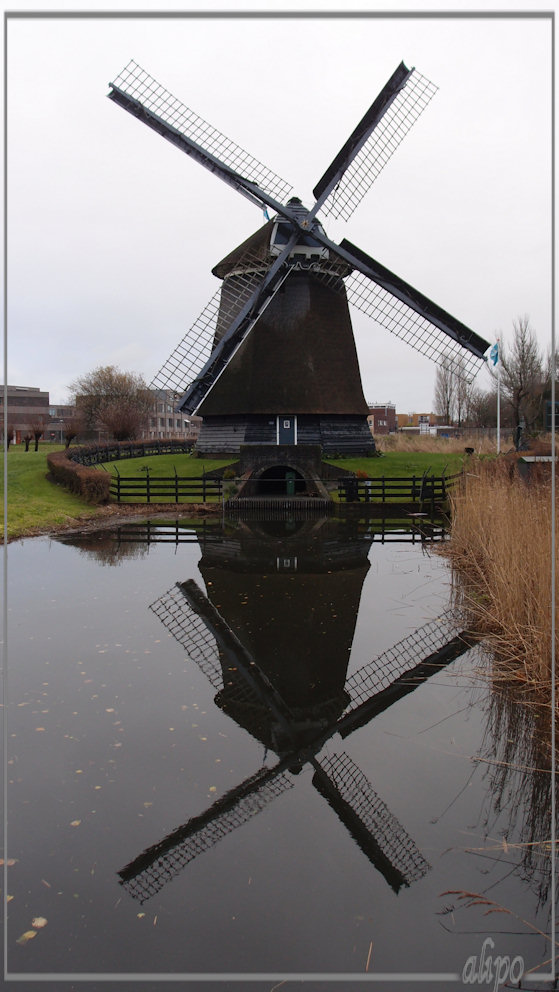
525,385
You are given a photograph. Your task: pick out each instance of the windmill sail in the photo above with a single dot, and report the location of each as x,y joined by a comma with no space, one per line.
404,311
231,311
375,139
143,97
377,831
159,864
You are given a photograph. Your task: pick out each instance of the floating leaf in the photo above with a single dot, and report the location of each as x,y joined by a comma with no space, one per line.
38,922
28,935
75,823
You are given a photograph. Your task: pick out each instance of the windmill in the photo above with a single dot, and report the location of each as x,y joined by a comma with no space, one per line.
275,706
272,359
382,838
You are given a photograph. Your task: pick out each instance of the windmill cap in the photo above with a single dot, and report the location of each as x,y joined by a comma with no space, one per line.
257,246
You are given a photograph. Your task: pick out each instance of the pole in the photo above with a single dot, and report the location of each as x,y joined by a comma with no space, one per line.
498,397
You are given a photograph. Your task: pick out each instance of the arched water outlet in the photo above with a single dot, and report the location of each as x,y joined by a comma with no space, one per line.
280,480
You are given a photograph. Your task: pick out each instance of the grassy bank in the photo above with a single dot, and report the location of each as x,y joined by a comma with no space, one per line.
501,550
35,504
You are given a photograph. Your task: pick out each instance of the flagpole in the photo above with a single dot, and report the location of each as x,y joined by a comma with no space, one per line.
498,398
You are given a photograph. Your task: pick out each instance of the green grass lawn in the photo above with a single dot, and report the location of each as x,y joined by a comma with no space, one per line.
165,465
403,463
34,503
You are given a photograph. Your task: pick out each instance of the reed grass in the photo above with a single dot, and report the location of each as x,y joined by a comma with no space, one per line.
501,552
426,443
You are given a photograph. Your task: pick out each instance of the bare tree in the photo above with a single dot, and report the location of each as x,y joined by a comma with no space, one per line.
38,429
126,418
9,429
118,401
551,366
462,391
73,427
445,387
522,374
482,407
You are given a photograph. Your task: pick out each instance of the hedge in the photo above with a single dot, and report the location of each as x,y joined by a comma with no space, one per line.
89,483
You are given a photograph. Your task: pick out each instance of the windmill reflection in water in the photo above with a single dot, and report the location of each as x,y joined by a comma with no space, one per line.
292,696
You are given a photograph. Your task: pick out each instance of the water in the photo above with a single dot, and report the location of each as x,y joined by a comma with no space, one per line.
220,766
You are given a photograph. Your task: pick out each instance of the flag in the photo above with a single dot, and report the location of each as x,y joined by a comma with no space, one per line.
266,214
494,354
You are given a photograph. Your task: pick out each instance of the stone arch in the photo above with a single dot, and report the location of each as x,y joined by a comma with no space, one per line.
279,480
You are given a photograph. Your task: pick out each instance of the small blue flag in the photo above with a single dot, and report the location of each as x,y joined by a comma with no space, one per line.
494,354
266,214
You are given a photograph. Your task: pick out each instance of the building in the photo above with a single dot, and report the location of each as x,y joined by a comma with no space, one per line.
166,422
59,417
419,422
26,406
382,418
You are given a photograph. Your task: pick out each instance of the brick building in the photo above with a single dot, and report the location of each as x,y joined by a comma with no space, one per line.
382,418
26,406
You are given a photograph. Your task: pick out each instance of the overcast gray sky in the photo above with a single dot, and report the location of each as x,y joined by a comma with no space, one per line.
112,232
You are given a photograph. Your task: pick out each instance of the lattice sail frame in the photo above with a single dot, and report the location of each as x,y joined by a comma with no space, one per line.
191,354
191,632
410,327
393,840
413,328
194,838
390,131
378,674
138,84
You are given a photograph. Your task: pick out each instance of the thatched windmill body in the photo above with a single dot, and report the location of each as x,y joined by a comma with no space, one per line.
272,359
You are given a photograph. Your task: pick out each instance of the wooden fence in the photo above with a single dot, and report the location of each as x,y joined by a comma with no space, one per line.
420,490
408,489
165,489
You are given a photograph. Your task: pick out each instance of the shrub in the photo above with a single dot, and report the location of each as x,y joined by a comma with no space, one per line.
89,483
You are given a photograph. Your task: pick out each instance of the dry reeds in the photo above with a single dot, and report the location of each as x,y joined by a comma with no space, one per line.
501,551
480,442
425,442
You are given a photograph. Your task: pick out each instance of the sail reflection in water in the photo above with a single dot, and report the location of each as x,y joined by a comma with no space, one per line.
285,682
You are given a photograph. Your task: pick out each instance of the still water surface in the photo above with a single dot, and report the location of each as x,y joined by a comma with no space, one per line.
227,757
